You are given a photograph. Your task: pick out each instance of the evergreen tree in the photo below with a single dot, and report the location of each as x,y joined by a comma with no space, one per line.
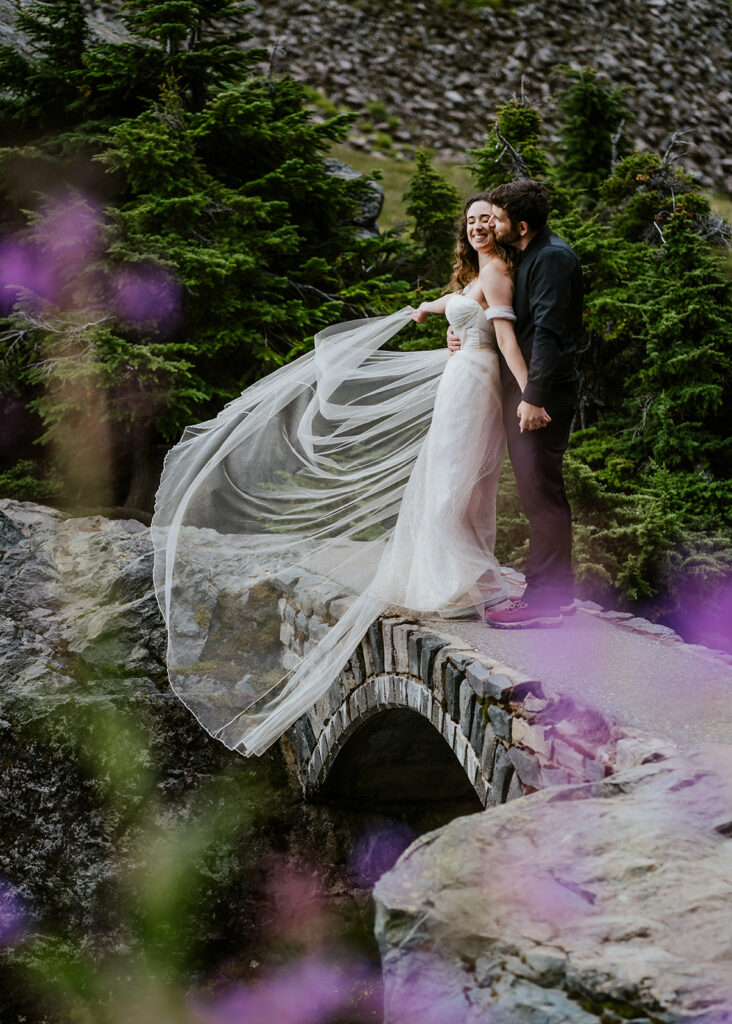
42,89
221,278
512,148
681,388
590,136
645,189
434,205
193,43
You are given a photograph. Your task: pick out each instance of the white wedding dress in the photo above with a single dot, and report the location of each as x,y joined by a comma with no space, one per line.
373,469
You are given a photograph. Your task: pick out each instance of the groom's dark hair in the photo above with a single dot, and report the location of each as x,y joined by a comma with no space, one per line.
523,200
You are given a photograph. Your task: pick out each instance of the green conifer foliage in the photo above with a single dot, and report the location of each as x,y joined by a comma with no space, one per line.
644,190
590,134
224,211
684,381
434,204
43,90
199,41
512,148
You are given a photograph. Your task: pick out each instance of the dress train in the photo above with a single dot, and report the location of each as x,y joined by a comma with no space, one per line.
374,469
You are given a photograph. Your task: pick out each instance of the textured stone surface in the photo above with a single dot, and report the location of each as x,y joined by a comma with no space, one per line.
101,765
601,902
673,55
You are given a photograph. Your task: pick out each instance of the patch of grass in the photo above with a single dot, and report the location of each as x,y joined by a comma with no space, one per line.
377,110
322,103
394,172
383,142
723,206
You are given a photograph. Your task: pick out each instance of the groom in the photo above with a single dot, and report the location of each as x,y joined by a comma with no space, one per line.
548,306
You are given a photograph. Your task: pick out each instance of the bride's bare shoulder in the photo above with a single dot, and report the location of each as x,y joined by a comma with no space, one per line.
496,280
494,268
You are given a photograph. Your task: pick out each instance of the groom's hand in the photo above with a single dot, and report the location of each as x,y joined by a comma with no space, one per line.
453,342
532,417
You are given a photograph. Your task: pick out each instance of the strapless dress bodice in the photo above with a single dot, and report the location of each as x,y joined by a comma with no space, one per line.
467,319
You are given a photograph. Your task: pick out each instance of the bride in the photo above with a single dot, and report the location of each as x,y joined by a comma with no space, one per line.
373,470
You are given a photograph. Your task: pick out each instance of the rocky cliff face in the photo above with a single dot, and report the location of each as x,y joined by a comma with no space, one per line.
442,68
598,903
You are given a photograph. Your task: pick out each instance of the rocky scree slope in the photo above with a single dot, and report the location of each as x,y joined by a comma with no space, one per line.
441,69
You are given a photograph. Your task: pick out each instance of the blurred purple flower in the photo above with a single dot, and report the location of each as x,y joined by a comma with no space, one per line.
13,918
24,267
705,622
378,851
146,293
70,229
310,991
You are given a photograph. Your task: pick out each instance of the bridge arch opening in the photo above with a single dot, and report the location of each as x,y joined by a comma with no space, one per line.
396,763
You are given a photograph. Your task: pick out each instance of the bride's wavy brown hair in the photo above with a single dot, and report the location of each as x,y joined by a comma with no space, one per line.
465,261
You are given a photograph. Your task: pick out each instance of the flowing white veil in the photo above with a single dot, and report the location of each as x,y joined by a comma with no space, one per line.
307,467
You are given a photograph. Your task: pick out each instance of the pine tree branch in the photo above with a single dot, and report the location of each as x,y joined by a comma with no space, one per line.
309,289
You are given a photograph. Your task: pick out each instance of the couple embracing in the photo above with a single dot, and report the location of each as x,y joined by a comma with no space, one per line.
373,473
523,266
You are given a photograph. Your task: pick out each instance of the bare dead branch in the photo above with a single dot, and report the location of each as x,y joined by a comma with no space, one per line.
309,289
614,143
274,52
675,141
519,166
715,229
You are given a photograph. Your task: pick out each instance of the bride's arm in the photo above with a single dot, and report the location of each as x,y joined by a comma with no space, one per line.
497,284
424,309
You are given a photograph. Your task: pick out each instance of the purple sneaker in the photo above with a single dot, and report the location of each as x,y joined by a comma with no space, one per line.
524,616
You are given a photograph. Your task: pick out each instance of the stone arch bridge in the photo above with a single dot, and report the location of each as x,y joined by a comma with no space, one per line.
419,715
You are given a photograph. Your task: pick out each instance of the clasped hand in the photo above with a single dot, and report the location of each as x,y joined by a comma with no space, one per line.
532,417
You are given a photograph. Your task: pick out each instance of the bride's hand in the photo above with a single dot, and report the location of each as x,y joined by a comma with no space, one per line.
421,313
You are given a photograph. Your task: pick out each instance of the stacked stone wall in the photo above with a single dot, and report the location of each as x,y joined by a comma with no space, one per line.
510,734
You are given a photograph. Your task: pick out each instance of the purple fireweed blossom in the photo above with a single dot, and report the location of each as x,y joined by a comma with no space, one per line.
310,991
147,294
70,230
24,268
51,259
707,623
13,917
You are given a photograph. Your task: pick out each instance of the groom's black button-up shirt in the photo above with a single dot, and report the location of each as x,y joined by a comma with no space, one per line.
548,305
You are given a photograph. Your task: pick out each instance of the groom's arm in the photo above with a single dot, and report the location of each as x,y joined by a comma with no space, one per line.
550,297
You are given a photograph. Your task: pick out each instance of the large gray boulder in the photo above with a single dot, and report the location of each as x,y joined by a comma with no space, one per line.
603,902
